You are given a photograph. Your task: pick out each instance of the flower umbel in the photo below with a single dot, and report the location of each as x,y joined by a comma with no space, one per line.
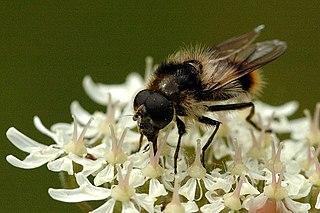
257,173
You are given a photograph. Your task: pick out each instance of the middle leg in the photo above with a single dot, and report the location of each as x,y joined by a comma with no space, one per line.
211,122
238,106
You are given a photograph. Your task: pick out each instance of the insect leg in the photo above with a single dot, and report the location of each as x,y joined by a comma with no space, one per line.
210,122
237,106
181,131
140,141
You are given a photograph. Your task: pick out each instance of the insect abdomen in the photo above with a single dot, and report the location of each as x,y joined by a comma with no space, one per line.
251,82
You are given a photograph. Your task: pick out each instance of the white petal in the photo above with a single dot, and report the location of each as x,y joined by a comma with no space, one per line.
135,81
27,163
282,208
256,176
157,208
208,181
66,128
298,186
247,188
120,92
189,189
82,115
35,159
85,192
99,92
317,206
216,204
95,92
105,175
295,206
286,109
106,207
156,189
219,183
292,149
39,125
61,164
256,202
145,201
212,208
23,142
299,128
136,178
190,206
139,159
211,197
128,207
89,166
98,151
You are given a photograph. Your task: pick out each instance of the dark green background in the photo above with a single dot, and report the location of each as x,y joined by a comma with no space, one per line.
47,47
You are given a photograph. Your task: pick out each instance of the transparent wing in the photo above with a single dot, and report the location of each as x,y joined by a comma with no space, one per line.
239,56
236,44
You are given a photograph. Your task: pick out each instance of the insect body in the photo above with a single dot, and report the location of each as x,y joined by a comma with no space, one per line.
196,80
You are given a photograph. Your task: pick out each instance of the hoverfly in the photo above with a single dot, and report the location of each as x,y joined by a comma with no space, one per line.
196,80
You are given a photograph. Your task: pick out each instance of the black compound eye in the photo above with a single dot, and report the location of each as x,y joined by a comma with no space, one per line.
141,98
160,109
155,106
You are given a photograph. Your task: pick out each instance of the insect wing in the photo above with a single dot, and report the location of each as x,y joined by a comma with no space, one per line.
245,61
236,44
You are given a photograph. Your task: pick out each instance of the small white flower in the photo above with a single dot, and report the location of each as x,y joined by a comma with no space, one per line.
105,159
152,171
116,115
197,174
56,155
124,192
279,196
175,205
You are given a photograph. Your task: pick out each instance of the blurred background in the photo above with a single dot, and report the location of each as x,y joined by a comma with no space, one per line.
47,47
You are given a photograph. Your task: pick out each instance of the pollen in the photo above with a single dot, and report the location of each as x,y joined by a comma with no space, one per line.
116,155
175,205
275,190
196,170
232,199
238,167
123,191
153,169
77,145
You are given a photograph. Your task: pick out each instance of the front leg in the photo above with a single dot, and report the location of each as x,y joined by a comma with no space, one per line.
181,131
210,122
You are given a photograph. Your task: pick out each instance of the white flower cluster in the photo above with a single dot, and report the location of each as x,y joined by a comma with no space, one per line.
246,169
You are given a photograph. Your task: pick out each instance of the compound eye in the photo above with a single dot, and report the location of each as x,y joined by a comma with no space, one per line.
153,105
141,98
160,109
